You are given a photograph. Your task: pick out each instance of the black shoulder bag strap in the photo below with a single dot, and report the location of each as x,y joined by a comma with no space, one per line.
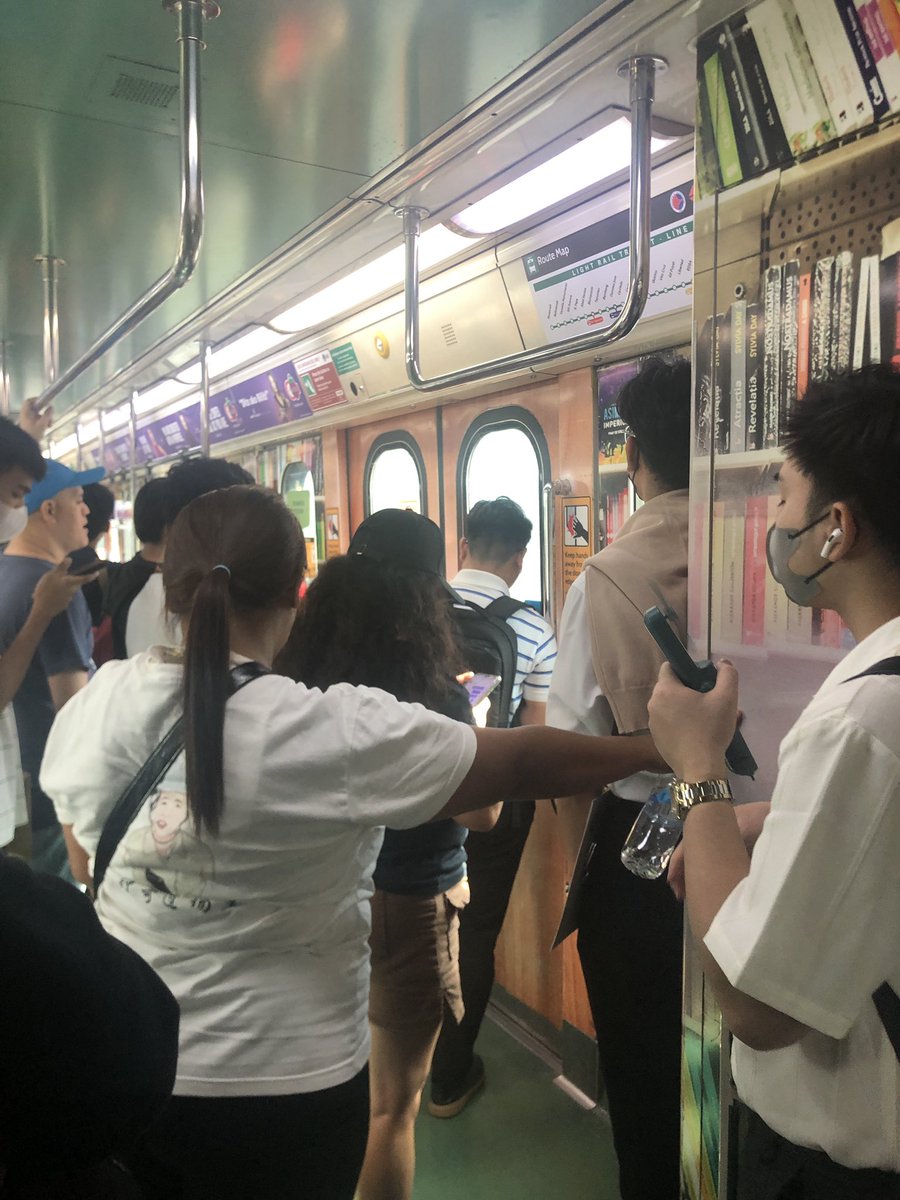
151,775
885,999
503,607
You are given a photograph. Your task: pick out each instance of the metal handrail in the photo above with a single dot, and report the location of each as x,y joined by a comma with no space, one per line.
547,548
190,231
641,71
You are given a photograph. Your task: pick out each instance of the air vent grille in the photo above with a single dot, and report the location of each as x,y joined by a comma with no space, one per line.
449,334
138,90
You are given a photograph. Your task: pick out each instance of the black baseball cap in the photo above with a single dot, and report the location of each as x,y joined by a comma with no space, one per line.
401,537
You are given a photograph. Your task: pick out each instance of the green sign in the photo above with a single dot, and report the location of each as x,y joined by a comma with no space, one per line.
344,358
298,502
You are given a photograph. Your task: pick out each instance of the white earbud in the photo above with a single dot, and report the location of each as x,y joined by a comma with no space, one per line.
834,536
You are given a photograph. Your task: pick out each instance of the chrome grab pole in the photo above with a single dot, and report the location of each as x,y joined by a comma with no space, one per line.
547,549
641,72
190,44
50,279
205,352
4,378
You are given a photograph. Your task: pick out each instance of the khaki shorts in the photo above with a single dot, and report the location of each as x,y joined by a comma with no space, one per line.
415,959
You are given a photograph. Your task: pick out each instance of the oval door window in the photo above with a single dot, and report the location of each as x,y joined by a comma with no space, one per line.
503,461
395,478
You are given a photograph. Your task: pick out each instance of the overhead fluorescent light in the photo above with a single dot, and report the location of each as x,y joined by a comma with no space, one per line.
245,348
65,446
597,157
116,418
89,432
190,375
381,275
168,389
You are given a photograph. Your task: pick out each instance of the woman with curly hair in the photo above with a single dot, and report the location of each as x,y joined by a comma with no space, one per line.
381,617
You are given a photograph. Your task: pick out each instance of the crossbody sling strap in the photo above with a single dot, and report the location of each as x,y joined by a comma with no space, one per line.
151,775
885,999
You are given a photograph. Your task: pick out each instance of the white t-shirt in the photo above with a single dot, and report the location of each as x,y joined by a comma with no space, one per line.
12,785
576,702
148,624
261,932
814,929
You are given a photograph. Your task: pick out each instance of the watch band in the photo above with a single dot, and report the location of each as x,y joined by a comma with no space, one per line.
686,795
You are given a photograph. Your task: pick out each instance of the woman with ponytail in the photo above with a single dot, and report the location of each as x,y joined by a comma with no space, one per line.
258,922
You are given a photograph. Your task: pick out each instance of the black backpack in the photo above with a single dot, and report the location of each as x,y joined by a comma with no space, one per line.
491,647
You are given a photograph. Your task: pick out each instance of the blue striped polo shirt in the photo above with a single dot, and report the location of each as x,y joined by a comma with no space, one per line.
535,636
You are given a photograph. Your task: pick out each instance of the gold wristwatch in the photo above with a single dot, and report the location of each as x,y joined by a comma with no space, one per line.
686,795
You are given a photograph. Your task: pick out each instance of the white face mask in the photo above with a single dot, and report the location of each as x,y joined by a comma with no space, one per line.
12,522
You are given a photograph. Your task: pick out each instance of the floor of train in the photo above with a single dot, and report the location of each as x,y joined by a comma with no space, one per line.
521,1137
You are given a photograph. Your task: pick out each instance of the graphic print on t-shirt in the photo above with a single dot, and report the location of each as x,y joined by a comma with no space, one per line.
161,852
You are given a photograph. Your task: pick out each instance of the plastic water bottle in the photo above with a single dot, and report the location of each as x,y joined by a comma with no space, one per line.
653,837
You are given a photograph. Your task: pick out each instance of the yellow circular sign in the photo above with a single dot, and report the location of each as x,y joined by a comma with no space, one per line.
382,345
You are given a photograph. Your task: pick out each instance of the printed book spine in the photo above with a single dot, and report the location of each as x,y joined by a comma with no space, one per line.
820,339
759,92
874,311
862,305
723,129
733,572
842,312
831,629
718,571
804,316
790,303
799,623
890,15
835,64
889,280
771,354
738,435
698,575
754,372
753,623
862,53
776,600
748,134
785,57
884,52
722,384
703,388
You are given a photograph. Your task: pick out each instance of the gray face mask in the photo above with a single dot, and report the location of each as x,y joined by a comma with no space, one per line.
781,545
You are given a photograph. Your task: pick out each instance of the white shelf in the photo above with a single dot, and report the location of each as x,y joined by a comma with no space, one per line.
742,461
612,469
827,654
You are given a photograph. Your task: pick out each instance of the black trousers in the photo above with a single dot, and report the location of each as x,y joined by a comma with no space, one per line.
631,950
300,1147
772,1168
493,862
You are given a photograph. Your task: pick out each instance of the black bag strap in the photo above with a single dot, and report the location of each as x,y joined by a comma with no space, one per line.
503,607
885,999
151,775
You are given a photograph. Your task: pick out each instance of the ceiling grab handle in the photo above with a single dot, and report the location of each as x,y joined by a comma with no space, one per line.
190,44
641,71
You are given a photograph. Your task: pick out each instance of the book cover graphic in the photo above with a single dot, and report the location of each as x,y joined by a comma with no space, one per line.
820,335
862,53
721,383
723,126
835,64
842,312
772,295
703,366
795,87
752,153
753,627
759,92
738,433
790,309
754,374
884,52
707,160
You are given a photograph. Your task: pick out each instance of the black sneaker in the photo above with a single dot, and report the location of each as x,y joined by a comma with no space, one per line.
449,1102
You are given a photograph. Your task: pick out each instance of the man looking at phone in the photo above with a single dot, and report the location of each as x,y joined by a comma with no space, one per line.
630,930
57,525
491,555
801,943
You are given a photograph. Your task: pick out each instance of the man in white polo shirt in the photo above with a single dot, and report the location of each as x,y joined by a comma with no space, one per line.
491,554
802,943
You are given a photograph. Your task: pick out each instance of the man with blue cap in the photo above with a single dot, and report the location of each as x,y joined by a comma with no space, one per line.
57,525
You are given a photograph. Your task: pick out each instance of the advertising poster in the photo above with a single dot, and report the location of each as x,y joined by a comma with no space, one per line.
580,281
610,381
164,436
117,453
320,381
262,402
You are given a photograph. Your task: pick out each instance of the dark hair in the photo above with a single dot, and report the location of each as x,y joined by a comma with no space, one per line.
844,435
368,622
497,529
197,476
656,406
252,533
150,510
19,449
101,504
